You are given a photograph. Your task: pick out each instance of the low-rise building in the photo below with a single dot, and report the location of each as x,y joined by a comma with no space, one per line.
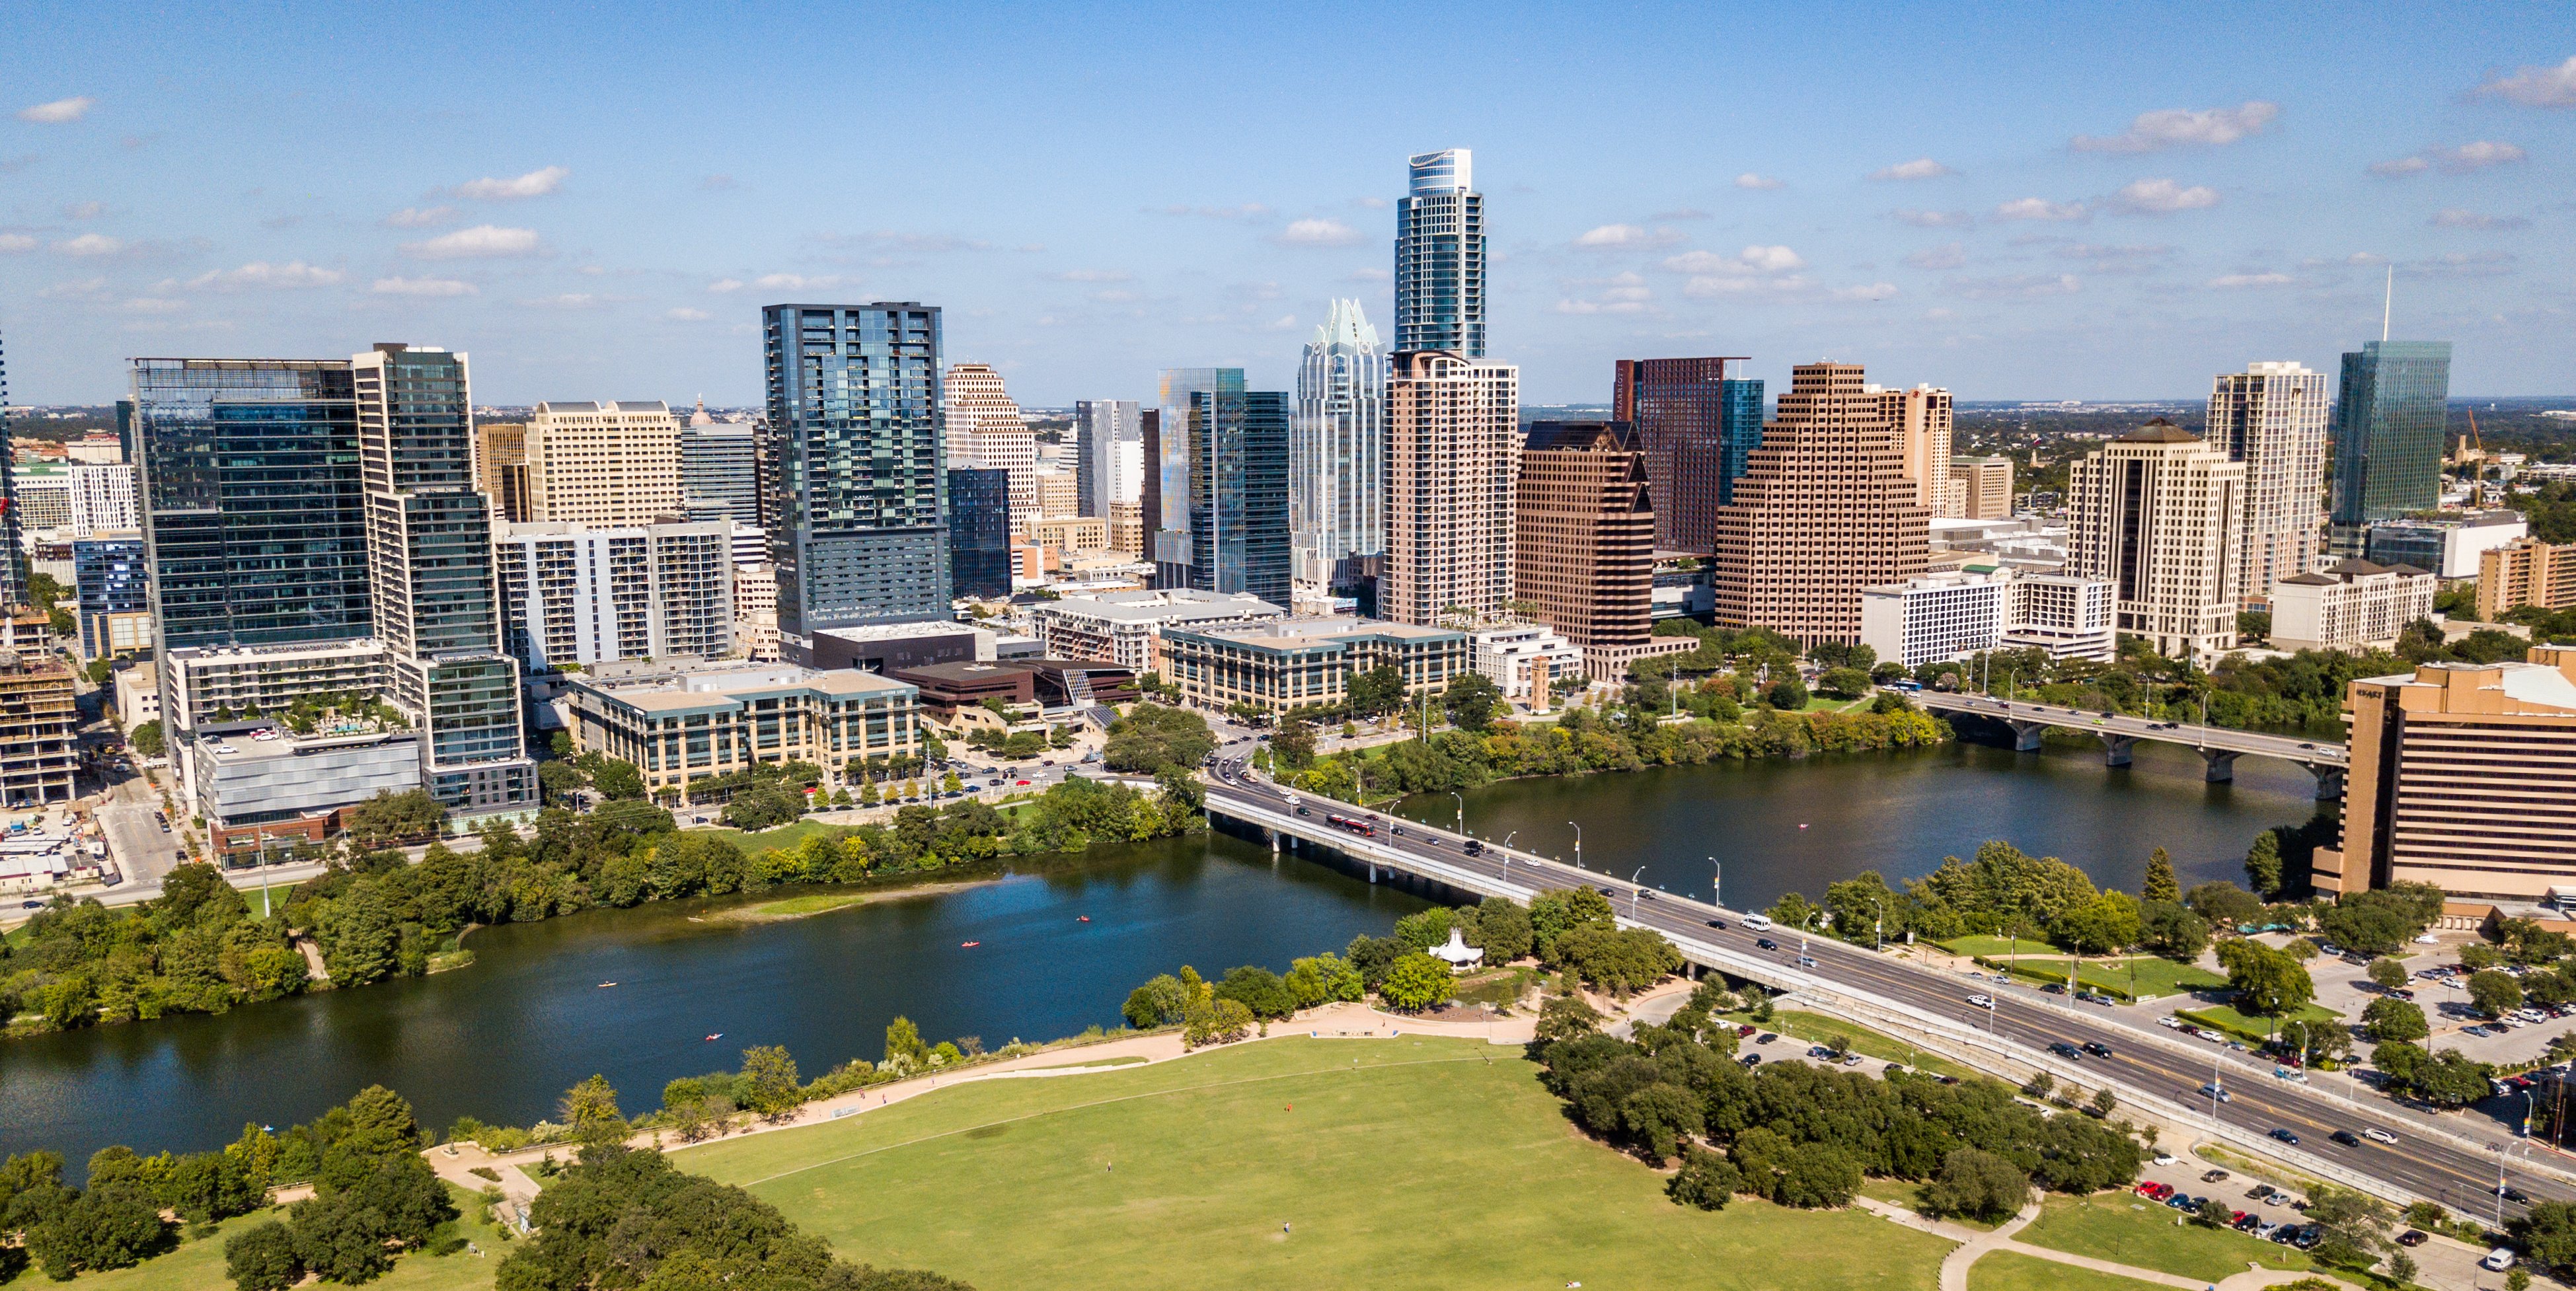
684,720
2449,548
2067,615
1291,664
1529,662
259,790
2526,572
951,689
138,696
38,720
1984,606
1072,535
1126,628
2355,604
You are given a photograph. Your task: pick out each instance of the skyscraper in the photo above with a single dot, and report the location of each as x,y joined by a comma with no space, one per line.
1824,509
615,462
987,432
1337,449
2272,417
719,467
2157,511
859,489
1224,485
1453,447
2389,423
1440,256
1108,453
1923,418
1584,538
1696,427
979,532
13,567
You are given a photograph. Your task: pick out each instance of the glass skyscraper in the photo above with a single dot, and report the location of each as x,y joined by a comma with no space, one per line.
719,468
1337,448
1440,256
859,481
2389,423
1225,485
980,531
1698,428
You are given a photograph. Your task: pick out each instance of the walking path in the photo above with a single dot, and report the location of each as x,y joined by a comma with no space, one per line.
1975,1245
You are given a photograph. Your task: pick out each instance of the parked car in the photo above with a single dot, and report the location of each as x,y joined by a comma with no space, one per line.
2214,1176
2498,1260
2412,1237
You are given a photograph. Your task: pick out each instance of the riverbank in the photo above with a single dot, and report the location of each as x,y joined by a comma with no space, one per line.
807,906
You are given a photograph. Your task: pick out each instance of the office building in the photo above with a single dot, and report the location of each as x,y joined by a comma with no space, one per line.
1225,485
41,495
1529,662
719,467
501,468
1981,488
577,594
979,532
603,463
2526,573
1823,510
1059,494
1302,663
680,721
2067,615
2390,419
1934,617
1698,427
1108,454
95,450
1923,418
1127,529
857,506
2352,604
1440,256
1453,450
2452,548
108,577
38,722
1583,542
2463,776
1072,535
987,432
2272,417
1126,628
2157,512
1337,450
955,694
77,499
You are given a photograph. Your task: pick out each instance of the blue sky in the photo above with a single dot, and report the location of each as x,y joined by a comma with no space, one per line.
2015,201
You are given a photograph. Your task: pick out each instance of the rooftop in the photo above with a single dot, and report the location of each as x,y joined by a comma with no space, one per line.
2159,431
1152,606
683,681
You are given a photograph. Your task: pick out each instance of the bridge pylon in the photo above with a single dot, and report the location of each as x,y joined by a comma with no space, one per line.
2219,765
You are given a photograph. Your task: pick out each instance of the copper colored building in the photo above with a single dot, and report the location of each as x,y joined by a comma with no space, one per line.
1679,408
1824,509
1585,532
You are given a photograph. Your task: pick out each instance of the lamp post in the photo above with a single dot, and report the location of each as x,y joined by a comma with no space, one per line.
1716,883
1578,844
1634,892
1462,811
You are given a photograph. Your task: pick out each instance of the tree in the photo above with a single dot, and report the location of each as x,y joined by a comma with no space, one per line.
2224,905
1706,1180
1566,1017
2170,929
2213,1213
1294,743
147,739
2105,1102
590,1108
2394,1019
1844,683
2446,1079
769,1086
1976,1184
2494,992
2161,885
2390,974
263,1258
1501,928
617,781
2263,864
1471,702
2267,981
1377,692
1415,982
763,806
2099,926
1160,1002
110,1226
903,1045
2547,1236
1258,989
1788,694
1154,736
397,817
1216,1021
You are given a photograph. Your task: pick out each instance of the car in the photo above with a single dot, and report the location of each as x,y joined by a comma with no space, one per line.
2162,1158
2412,1237
2180,1201
1746,1030
2169,1022
2266,1230
2244,1221
1645,894
1399,831
2066,1051
1819,1051
2285,1136
1303,812
31,905
2212,1089
1806,961
1477,848
1766,943
1766,1037
2379,1136
2498,1260
2330,950
2346,1138
2214,1176
1751,1060
1982,1001
1717,923
2510,1193
1023,783
2162,1191
2097,1048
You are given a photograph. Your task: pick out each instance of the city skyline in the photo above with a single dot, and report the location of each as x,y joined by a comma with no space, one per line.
2101,206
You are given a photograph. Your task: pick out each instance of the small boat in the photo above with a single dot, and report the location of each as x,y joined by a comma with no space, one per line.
605,985
716,1036
968,945
1802,826
1083,918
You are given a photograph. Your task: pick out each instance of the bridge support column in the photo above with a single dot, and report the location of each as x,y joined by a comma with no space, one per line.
2115,749
2026,735
2220,765
1274,840
1372,869
2329,781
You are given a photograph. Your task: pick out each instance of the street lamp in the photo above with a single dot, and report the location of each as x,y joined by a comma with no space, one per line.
1462,811
1578,844
1634,892
1716,882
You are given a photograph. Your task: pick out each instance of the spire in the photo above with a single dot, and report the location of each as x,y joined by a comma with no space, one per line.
1344,324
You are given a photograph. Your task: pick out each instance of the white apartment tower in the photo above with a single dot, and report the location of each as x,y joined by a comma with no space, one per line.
584,594
2272,417
1337,447
2159,513
1108,454
987,432
1453,452
603,463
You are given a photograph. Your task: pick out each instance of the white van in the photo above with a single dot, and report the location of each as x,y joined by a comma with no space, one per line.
2498,1260
1757,922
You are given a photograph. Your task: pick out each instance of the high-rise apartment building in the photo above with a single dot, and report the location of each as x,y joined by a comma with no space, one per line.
1440,256
603,463
585,594
986,431
2158,512
1698,427
1824,509
719,467
2272,417
1583,539
1923,418
2389,422
1980,488
1224,485
13,562
979,532
1108,453
1337,449
858,492
501,468
1453,450
2526,572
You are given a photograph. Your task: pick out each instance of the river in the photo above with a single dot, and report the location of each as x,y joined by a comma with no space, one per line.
502,1039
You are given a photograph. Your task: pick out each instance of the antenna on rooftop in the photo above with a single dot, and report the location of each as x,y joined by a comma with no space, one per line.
2389,306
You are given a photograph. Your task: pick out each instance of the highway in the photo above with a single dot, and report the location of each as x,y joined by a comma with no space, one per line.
2430,1165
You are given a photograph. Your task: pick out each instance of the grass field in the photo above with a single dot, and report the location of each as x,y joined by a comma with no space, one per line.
792,834
1431,1162
2155,975
1975,944
199,1265
2250,1026
1816,1028
2122,1227
2014,1271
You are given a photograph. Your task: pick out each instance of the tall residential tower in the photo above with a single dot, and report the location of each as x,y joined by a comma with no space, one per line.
1440,256
2157,512
1453,447
2272,417
1108,454
1224,485
1337,449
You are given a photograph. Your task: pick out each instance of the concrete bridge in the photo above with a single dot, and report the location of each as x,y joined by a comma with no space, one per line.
2218,747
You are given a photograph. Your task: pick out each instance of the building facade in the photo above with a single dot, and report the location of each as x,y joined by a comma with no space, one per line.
1824,510
2528,572
1583,541
501,468
1440,256
685,720
2352,604
2272,417
979,532
1935,617
987,432
720,467
1528,662
1302,663
603,463
2452,549
1225,483
2390,419
1924,418
1981,488
575,594
110,577
39,720
1108,453
1337,450
1698,427
2157,512
858,509
1126,628
1453,452
2067,615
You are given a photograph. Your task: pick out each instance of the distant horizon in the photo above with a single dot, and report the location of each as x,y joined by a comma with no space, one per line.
1067,408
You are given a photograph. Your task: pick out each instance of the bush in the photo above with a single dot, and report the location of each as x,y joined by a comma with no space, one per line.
1706,1180
263,1258
1415,982
1977,1185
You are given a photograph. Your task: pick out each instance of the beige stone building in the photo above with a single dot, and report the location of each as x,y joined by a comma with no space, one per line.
1073,535
1453,451
2272,418
1924,418
2157,513
2528,572
1059,494
987,432
603,463
1127,528
1981,488
684,720
501,468
2352,605
1823,510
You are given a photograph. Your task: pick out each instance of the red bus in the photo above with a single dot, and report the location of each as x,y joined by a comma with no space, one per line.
1364,829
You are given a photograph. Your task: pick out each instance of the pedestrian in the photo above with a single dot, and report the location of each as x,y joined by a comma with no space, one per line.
1283,1230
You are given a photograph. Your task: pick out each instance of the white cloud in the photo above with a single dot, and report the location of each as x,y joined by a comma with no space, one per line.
795,282
2401,166
684,314
2476,156
2039,208
2534,87
58,112
2461,218
2134,258
422,287
152,305
260,273
1873,291
2184,127
2234,280
1091,275
1948,255
1934,219
1758,182
536,183
89,244
420,217
568,300
1319,232
77,289
1629,237
1371,203
2164,197
479,242
1919,168
725,285
16,242
1626,293
2040,284
2479,264
1756,259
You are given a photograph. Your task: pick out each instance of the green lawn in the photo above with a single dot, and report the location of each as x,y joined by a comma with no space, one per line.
2225,1017
1978,944
1431,1162
792,834
2155,975
199,1265
1900,1192
1816,1028
2014,1271
2131,1230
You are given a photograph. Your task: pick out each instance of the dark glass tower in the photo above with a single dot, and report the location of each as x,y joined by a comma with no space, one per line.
980,531
2389,424
1238,490
1698,428
1440,256
13,569
859,486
